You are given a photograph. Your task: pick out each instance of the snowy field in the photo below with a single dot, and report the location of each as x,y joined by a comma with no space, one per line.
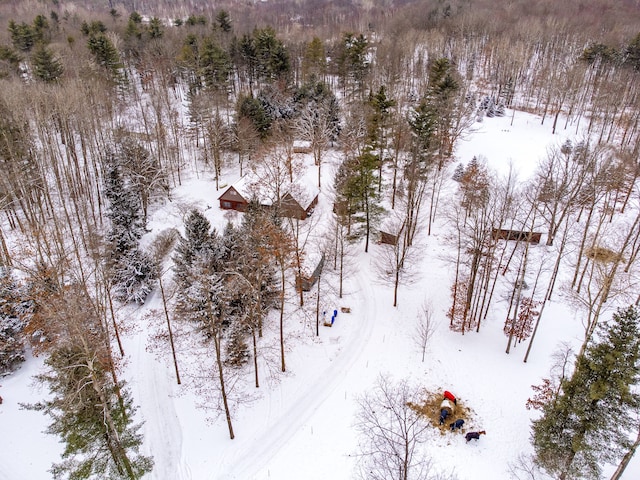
299,426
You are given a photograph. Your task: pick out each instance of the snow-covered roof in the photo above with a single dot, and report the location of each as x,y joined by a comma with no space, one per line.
303,189
250,186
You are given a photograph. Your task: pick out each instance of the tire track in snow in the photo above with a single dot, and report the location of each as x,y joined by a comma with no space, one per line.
163,433
256,454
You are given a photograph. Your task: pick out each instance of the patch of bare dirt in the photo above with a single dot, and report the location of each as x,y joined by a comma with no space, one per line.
429,408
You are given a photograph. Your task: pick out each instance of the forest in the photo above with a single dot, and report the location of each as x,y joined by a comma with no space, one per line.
108,109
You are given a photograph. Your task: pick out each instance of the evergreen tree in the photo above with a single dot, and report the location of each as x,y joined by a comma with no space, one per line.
244,55
204,297
589,421
132,271
215,65
134,24
458,173
106,55
599,52
41,30
155,28
632,53
352,61
93,416
357,193
380,112
252,109
11,323
142,172
93,28
444,84
134,275
22,36
272,58
127,225
314,63
90,409
224,21
9,61
45,66
422,121
195,243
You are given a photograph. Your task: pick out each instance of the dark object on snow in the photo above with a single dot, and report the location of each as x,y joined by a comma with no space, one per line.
474,435
444,413
0,400
517,235
457,424
450,396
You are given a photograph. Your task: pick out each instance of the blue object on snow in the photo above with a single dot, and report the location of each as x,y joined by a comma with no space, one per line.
443,415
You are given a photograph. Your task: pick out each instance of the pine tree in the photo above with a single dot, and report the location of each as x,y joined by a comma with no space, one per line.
377,122
106,55
93,416
252,109
314,63
352,59
357,192
142,171
134,276
272,57
632,53
224,21
444,84
46,66
9,61
422,121
458,173
588,423
133,272
203,296
215,65
22,36
155,29
125,211
41,30
11,323
90,409
196,242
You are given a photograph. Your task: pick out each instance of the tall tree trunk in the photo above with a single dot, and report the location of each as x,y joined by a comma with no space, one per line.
282,278
617,475
166,313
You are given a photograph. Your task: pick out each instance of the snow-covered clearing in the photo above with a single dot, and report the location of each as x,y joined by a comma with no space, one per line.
299,425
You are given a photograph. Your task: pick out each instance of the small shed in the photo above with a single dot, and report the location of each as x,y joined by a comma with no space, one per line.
388,238
301,146
517,235
305,282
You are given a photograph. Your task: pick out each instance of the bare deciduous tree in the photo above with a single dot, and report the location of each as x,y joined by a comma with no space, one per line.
425,327
391,433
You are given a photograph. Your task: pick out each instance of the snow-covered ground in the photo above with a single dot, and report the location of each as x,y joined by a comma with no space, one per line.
300,425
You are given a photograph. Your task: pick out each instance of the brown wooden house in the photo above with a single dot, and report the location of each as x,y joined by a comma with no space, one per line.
298,200
291,208
231,199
